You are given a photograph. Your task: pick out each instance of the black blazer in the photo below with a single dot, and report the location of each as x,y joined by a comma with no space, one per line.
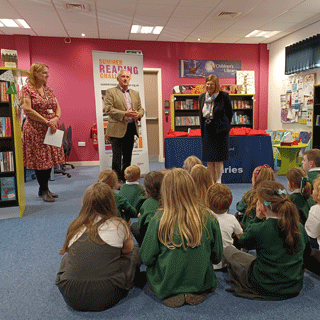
222,113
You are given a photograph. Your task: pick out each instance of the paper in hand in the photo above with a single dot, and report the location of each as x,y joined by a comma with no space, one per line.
54,139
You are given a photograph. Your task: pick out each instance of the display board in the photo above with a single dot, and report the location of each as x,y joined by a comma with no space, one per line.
297,101
106,66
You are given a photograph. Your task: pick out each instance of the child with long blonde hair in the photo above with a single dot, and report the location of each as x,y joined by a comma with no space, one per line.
301,190
125,209
203,180
100,260
281,244
183,239
247,205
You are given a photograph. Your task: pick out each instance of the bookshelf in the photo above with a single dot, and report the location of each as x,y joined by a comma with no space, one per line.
185,111
12,194
316,118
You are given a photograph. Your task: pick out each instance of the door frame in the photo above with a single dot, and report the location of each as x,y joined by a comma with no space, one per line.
157,71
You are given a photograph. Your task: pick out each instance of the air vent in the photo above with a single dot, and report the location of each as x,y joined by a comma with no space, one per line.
75,7
227,15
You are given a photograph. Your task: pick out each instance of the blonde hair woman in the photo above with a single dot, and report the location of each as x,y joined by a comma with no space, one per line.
215,119
42,112
182,233
100,260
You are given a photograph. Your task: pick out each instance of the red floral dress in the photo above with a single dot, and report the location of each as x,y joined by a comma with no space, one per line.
37,155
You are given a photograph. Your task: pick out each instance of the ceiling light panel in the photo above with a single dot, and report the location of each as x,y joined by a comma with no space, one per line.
9,23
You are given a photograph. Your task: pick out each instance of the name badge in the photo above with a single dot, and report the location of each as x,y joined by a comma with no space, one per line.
49,111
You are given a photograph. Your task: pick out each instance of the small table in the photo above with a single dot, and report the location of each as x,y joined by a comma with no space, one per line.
289,156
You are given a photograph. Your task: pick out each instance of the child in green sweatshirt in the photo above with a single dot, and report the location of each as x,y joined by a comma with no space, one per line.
182,242
281,243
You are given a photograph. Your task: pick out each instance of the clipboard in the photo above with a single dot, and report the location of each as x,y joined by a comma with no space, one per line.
54,139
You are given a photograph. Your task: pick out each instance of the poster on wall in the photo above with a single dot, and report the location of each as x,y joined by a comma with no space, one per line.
106,66
9,58
203,68
245,79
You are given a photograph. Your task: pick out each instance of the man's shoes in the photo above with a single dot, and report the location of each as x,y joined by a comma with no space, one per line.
195,298
46,196
54,195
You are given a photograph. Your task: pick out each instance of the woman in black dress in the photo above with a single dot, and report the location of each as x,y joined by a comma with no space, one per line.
215,119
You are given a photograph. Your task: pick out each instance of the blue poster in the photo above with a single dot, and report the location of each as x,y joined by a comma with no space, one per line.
202,68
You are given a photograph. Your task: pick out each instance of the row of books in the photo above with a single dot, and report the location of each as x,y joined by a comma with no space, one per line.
6,161
187,121
188,104
4,86
7,188
240,119
241,104
5,127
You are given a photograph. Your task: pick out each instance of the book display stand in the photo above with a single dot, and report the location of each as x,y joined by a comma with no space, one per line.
12,193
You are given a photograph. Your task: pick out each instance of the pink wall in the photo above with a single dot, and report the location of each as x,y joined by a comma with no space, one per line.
71,74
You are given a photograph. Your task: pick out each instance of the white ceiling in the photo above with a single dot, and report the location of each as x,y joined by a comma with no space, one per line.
183,20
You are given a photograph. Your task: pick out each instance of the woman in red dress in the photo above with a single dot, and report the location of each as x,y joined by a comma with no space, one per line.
42,110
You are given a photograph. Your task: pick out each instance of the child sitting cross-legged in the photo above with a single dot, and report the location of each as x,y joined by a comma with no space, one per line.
124,208
182,242
132,190
300,189
247,205
311,164
281,245
100,263
220,199
152,184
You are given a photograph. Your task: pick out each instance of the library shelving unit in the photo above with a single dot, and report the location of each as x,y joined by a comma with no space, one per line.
12,193
316,118
185,111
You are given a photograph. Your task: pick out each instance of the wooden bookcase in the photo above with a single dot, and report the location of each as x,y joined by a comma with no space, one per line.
316,118
185,111
14,206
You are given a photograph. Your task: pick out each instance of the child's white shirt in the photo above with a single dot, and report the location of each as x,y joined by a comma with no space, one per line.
228,224
133,182
112,232
312,225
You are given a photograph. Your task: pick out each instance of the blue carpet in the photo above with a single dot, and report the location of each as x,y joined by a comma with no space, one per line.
30,261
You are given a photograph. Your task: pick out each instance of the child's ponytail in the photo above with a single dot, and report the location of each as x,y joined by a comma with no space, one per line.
289,224
298,179
274,196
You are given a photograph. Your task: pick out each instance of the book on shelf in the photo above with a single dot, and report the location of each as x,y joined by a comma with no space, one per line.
7,188
6,161
4,86
187,121
240,119
5,127
240,104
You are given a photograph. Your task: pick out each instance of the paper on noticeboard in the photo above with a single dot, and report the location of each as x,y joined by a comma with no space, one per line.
54,139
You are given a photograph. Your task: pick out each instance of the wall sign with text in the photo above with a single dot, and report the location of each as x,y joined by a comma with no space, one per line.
203,68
